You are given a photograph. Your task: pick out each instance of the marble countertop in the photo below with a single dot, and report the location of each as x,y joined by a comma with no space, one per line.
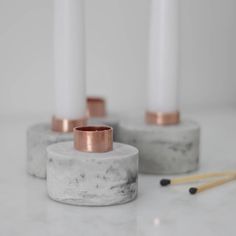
27,210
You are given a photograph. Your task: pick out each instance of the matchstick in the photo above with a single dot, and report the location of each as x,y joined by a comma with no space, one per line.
193,178
210,185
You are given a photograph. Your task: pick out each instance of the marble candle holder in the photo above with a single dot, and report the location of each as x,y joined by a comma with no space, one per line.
39,137
172,149
85,177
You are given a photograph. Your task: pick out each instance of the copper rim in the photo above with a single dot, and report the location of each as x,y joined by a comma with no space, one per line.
161,118
96,139
66,126
96,107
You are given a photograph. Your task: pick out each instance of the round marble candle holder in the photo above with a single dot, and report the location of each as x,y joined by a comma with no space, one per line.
39,137
92,179
172,149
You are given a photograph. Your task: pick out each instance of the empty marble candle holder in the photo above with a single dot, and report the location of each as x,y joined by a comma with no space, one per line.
96,111
39,136
164,149
92,170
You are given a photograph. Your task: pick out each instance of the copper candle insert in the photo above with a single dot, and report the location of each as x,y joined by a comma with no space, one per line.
96,107
97,139
66,126
159,118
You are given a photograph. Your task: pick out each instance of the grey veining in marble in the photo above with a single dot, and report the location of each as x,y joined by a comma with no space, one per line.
92,179
108,121
164,149
39,137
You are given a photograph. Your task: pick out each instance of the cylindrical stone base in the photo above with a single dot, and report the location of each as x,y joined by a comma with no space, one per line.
163,149
108,121
92,179
39,137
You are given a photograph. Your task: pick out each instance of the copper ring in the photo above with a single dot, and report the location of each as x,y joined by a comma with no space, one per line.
161,118
96,107
66,126
96,139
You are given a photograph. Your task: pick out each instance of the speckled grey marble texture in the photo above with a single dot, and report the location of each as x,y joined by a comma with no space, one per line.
92,179
39,136
163,149
111,121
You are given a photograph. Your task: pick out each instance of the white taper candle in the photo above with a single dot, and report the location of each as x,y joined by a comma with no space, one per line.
69,59
164,56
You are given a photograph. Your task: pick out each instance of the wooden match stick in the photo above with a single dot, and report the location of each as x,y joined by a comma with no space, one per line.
192,178
210,185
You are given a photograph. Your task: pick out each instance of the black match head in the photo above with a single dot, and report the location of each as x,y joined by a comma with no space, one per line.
193,191
165,182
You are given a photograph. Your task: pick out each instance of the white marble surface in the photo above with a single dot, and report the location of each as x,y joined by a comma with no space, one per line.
26,209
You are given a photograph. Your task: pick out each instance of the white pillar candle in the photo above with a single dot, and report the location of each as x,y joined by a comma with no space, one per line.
164,56
69,59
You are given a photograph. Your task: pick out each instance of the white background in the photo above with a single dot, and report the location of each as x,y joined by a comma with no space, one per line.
117,42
